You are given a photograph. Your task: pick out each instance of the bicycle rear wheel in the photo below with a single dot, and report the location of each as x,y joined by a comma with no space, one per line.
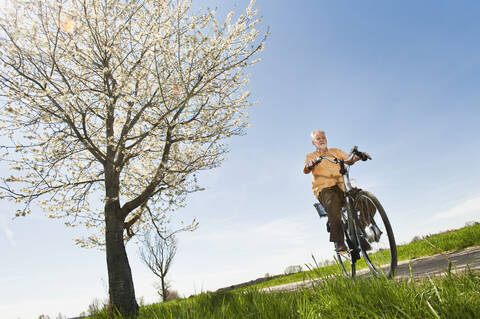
374,227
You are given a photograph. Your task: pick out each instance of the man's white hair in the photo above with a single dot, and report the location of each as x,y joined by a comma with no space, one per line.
315,132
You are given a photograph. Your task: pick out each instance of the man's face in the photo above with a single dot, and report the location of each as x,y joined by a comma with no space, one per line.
320,141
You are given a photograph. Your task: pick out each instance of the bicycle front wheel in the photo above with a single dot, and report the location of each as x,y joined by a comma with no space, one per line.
375,235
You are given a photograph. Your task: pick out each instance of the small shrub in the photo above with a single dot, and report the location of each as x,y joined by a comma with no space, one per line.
415,239
293,269
471,223
172,295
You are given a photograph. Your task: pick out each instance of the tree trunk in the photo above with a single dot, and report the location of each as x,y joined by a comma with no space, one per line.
164,289
120,282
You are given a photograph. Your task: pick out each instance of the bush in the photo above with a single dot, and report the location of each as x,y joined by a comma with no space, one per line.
172,295
293,269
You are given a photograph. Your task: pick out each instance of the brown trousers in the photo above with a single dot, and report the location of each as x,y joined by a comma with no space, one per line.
332,199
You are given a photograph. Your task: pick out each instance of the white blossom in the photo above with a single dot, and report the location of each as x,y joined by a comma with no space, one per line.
139,92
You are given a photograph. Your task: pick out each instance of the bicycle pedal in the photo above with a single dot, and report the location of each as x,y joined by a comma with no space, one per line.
344,252
344,255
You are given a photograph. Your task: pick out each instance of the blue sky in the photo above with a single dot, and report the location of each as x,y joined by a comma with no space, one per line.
398,79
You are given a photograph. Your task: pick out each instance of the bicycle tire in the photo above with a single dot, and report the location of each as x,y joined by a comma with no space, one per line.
382,258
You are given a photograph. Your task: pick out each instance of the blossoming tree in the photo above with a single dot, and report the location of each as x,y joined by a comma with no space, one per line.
111,106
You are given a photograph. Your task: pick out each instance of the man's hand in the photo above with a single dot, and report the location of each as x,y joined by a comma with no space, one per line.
367,155
308,165
364,155
356,158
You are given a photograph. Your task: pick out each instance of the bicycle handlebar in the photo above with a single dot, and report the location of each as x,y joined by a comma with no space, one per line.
335,160
362,156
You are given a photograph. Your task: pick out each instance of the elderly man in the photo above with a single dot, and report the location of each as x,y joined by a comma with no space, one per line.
327,184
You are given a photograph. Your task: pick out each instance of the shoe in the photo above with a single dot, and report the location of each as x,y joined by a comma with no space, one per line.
365,245
340,247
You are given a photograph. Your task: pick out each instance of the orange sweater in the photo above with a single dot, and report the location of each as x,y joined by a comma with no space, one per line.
325,174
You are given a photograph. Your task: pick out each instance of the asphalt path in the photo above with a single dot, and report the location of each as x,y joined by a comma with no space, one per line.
435,265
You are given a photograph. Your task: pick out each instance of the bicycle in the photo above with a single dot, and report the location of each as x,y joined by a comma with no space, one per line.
364,221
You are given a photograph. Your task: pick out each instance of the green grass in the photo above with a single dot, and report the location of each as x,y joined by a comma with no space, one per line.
462,238
452,296
467,236
301,276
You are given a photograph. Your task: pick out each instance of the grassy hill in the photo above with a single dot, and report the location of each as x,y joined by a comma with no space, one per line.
450,296
446,241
